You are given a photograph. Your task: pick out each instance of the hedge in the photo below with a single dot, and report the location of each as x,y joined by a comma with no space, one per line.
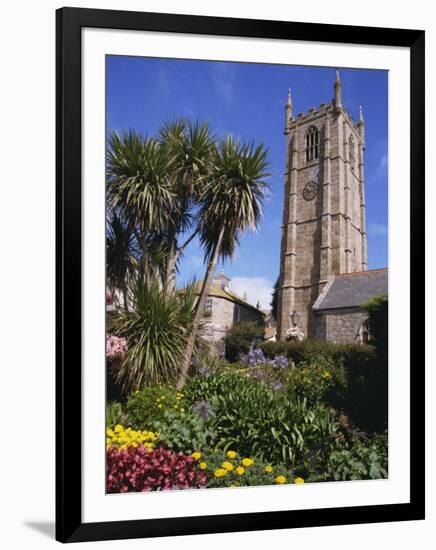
366,372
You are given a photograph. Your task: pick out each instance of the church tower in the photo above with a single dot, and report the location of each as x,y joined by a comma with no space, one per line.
323,231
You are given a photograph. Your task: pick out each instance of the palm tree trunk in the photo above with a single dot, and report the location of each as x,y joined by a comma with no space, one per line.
199,309
125,301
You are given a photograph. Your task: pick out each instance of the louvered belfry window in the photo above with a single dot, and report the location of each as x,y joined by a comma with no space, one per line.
312,144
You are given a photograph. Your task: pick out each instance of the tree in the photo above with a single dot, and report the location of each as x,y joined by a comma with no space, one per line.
230,203
240,337
139,188
189,147
275,299
156,329
120,254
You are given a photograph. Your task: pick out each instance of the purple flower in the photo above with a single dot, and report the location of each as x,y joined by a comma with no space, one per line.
280,362
254,357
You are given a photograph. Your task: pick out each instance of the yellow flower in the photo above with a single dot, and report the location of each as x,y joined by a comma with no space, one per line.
247,462
220,472
227,466
280,480
240,470
231,454
118,428
203,465
196,455
109,432
159,406
268,469
298,480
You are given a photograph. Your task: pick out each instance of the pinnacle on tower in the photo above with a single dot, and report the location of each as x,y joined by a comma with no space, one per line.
337,101
361,126
288,112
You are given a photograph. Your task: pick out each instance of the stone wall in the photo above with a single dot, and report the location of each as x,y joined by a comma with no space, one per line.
340,326
224,314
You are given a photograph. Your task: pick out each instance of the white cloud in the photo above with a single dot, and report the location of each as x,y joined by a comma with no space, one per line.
377,230
257,289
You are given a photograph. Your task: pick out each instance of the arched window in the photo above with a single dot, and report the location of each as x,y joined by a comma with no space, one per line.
363,335
351,152
312,144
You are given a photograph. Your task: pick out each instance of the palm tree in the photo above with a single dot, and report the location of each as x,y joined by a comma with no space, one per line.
121,246
230,203
189,147
156,328
139,186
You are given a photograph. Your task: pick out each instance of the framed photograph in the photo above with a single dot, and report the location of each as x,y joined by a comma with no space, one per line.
239,204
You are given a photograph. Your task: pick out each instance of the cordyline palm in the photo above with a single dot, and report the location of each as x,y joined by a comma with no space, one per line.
156,328
189,147
139,186
121,253
230,203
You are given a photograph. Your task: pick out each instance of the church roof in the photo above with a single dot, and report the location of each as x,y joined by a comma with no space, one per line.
352,289
219,292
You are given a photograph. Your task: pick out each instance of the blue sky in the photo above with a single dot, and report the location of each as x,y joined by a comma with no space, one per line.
247,100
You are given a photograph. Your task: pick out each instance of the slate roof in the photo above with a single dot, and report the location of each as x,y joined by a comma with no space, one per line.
216,290
352,289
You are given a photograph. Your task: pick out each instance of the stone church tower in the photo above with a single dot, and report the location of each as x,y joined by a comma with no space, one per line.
323,231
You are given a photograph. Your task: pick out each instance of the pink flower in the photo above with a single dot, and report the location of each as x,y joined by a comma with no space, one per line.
115,346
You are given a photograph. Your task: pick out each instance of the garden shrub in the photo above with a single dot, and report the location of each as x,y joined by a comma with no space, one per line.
377,308
165,410
240,337
359,460
183,431
149,405
319,380
114,414
256,421
138,469
233,470
365,370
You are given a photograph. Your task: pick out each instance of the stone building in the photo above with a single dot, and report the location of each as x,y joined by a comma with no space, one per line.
323,231
224,308
340,317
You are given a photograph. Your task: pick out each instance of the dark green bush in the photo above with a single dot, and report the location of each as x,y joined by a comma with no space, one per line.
319,380
365,398
377,308
359,460
163,409
240,337
183,431
149,405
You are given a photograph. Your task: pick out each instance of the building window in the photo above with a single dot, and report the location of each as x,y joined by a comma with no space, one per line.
312,144
351,152
363,335
237,314
208,307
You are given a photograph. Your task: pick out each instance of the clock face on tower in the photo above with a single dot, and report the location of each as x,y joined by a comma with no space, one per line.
310,190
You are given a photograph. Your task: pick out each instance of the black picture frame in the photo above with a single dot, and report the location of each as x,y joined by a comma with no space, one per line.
69,22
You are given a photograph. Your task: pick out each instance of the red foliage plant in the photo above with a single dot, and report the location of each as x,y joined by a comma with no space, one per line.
138,469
